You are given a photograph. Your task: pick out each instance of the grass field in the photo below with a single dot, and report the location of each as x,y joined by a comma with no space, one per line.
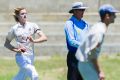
54,68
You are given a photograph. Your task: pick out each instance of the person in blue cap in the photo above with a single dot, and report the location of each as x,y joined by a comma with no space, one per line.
88,52
75,31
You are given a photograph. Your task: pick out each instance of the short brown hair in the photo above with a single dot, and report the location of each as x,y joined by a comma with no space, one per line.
16,13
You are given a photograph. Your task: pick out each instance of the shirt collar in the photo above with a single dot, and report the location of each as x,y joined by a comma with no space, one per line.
79,23
22,25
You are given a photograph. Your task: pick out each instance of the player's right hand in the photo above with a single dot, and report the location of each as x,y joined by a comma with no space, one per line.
30,38
102,76
21,50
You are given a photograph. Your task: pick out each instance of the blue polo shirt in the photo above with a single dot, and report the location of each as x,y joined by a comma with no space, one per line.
75,31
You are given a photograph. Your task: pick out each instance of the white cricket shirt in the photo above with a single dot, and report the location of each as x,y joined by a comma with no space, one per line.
20,33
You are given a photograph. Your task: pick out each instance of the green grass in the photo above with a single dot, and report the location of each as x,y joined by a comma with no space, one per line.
111,66
55,67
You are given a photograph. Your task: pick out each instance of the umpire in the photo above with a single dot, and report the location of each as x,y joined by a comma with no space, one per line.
75,30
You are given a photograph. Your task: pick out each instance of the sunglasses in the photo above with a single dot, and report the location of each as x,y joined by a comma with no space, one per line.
80,9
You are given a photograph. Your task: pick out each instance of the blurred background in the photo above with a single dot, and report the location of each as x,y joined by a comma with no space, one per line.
51,15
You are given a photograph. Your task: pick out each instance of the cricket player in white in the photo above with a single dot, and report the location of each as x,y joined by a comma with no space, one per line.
88,52
23,33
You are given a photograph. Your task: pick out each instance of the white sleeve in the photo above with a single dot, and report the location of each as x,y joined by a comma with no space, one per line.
36,28
11,35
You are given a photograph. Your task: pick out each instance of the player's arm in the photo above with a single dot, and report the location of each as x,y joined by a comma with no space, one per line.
99,39
11,47
98,68
40,38
96,64
70,34
10,36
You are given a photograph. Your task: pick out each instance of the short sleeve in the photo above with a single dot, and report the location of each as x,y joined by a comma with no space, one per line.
11,35
36,29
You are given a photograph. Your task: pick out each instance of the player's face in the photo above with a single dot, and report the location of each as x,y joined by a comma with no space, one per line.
22,16
112,17
79,13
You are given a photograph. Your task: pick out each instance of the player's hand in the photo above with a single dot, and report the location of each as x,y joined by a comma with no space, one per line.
30,39
21,50
102,76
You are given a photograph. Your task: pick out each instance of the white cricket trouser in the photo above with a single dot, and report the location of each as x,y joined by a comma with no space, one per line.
27,70
87,71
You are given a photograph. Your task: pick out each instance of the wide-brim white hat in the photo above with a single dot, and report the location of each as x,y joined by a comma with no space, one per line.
78,5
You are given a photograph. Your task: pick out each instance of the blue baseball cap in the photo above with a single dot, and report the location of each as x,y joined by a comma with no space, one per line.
107,8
